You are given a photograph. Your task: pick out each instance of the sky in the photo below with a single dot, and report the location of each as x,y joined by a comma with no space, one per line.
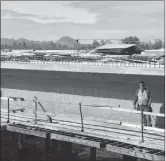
50,20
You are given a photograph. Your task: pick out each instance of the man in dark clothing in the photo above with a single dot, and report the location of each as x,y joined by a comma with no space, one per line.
143,100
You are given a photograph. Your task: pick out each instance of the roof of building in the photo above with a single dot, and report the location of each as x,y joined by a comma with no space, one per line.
115,46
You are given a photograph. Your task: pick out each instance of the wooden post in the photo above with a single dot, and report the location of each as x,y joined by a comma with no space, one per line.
92,154
8,104
142,124
35,112
20,140
82,128
20,145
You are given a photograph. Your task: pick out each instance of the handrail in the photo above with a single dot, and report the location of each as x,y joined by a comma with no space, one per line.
98,106
12,99
80,108
124,110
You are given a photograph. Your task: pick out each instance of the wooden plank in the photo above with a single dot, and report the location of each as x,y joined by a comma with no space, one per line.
99,134
26,131
26,123
98,128
146,129
115,130
152,144
122,123
138,154
77,140
156,144
24,120
98,121
123,132
111,136
90,127
56,136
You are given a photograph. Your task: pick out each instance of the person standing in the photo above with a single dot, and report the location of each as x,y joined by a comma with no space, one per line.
143,100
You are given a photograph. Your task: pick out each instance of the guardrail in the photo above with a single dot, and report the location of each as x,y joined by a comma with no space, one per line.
81,105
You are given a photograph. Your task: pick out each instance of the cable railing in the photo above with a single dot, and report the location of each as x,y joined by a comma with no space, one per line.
113,61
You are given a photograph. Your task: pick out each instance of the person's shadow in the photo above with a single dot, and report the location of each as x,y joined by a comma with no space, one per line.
160,121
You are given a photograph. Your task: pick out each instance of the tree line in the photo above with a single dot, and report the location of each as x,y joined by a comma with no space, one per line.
150,45
50,45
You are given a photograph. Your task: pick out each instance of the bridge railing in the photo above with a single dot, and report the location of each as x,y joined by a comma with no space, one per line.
80,107
113,61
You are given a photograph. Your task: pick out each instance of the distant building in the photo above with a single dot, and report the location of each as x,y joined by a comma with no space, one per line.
154,53
118,49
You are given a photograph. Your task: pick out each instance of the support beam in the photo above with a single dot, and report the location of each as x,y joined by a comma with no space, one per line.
20,140
92,154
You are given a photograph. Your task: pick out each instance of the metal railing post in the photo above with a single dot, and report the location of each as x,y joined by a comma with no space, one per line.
142,124
37,102
8,103
82,128
35,112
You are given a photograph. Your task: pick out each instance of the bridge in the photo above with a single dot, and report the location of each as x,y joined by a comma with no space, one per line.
130,140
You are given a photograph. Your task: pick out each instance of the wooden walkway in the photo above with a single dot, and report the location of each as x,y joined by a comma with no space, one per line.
114,136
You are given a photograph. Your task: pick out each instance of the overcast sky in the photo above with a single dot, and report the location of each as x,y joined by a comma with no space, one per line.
50,20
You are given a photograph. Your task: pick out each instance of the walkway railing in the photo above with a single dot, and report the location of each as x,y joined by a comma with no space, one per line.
81,105
126,61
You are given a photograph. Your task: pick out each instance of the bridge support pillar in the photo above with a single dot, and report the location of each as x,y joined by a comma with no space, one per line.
20,140
20,145
92,154
129,158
